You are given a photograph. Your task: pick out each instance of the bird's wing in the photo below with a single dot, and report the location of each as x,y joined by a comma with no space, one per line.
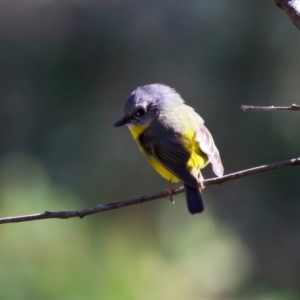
207,145
172,151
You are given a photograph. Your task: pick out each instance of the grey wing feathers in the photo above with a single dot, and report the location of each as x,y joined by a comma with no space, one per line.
207,145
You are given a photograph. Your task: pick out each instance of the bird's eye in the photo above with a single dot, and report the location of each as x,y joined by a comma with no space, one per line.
140,112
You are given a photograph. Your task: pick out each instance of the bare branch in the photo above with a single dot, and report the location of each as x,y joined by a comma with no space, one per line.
291,8
270,108
113,205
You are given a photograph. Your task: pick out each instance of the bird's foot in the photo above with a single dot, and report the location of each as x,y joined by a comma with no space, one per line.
200,180
170,194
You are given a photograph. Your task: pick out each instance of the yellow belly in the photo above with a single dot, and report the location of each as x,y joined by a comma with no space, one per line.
197,161
159,167
136,131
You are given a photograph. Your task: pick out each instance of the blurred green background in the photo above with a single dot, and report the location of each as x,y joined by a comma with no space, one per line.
66,68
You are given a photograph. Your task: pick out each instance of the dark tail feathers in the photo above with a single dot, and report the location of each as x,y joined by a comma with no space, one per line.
193,200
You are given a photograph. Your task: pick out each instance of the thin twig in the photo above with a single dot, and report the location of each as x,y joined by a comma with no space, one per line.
291,8
113,205
270,108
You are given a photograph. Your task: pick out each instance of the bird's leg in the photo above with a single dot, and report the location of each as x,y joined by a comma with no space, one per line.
169,191
200,180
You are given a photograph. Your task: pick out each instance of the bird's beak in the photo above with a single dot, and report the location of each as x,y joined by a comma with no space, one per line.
121,122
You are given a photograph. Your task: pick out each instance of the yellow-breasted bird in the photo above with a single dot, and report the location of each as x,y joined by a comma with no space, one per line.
173,138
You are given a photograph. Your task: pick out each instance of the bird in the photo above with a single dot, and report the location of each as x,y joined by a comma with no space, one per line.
173,138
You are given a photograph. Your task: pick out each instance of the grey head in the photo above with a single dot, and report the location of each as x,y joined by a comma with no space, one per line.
145,102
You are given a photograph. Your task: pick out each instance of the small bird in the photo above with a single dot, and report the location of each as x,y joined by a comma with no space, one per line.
173,138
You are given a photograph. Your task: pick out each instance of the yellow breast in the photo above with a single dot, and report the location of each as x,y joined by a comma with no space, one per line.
136,131
197,161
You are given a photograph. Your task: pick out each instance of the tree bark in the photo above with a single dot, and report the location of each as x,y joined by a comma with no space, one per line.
291,8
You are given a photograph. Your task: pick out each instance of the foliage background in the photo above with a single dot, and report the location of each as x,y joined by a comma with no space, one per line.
66,68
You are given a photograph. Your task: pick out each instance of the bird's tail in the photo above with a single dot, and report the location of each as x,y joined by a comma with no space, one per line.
193,199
